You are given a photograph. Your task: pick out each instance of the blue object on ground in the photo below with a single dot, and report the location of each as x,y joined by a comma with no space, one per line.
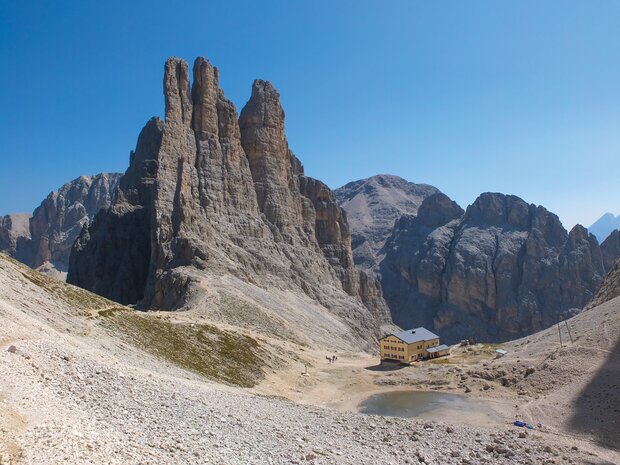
519,423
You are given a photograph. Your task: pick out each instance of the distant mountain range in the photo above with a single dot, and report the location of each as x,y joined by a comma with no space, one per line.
498,270
604,226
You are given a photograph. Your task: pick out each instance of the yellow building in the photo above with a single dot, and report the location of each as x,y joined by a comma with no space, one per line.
411,345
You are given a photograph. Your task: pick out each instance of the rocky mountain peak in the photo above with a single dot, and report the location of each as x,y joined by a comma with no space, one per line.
205,97
579,233
372,206
495,209
263,108
264,141
437,210
178,101
209,196
504,269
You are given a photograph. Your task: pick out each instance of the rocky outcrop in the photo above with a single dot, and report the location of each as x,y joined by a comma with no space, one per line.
208,195
53,227
610,288
15,235
372,206
265,145
501,270
118,242
57,222
610,248
412,272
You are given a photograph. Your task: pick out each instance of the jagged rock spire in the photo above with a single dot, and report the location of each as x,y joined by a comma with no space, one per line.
264,142
205,96
177,92
210,195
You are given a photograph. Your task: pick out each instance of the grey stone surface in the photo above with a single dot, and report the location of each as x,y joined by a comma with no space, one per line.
15,235
610,249
44,239
610,288
372,206
501,270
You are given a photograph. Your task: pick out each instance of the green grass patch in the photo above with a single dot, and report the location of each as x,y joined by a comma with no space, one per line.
490,345
111,312
74,296
204,349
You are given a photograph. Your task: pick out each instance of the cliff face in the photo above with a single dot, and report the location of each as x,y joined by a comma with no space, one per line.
57,222
372,206
15,235
44,239
610,248
501,270
610,288
208,195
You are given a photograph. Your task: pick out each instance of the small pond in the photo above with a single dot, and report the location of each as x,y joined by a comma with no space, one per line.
427,405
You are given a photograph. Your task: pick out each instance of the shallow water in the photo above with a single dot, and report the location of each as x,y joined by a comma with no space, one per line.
431,406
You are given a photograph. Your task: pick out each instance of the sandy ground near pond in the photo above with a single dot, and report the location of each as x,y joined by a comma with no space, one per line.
570,388
354,377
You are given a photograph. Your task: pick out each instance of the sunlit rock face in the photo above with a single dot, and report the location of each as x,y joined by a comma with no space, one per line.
500,270
44,239
208,193
372,206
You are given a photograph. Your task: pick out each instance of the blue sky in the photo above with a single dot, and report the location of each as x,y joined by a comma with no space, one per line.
520,97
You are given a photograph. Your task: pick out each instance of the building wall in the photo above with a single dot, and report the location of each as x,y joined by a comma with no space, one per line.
441,353
418,349
391,347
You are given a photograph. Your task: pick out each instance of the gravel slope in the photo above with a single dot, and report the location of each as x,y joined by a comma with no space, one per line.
72,393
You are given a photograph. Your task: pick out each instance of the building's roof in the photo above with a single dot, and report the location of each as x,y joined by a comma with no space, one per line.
414,335
432,350
501,351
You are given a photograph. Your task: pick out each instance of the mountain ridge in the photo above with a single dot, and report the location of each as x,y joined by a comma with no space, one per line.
479,272
372,205
43,239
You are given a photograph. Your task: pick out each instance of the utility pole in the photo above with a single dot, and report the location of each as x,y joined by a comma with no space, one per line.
560,333
569,333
